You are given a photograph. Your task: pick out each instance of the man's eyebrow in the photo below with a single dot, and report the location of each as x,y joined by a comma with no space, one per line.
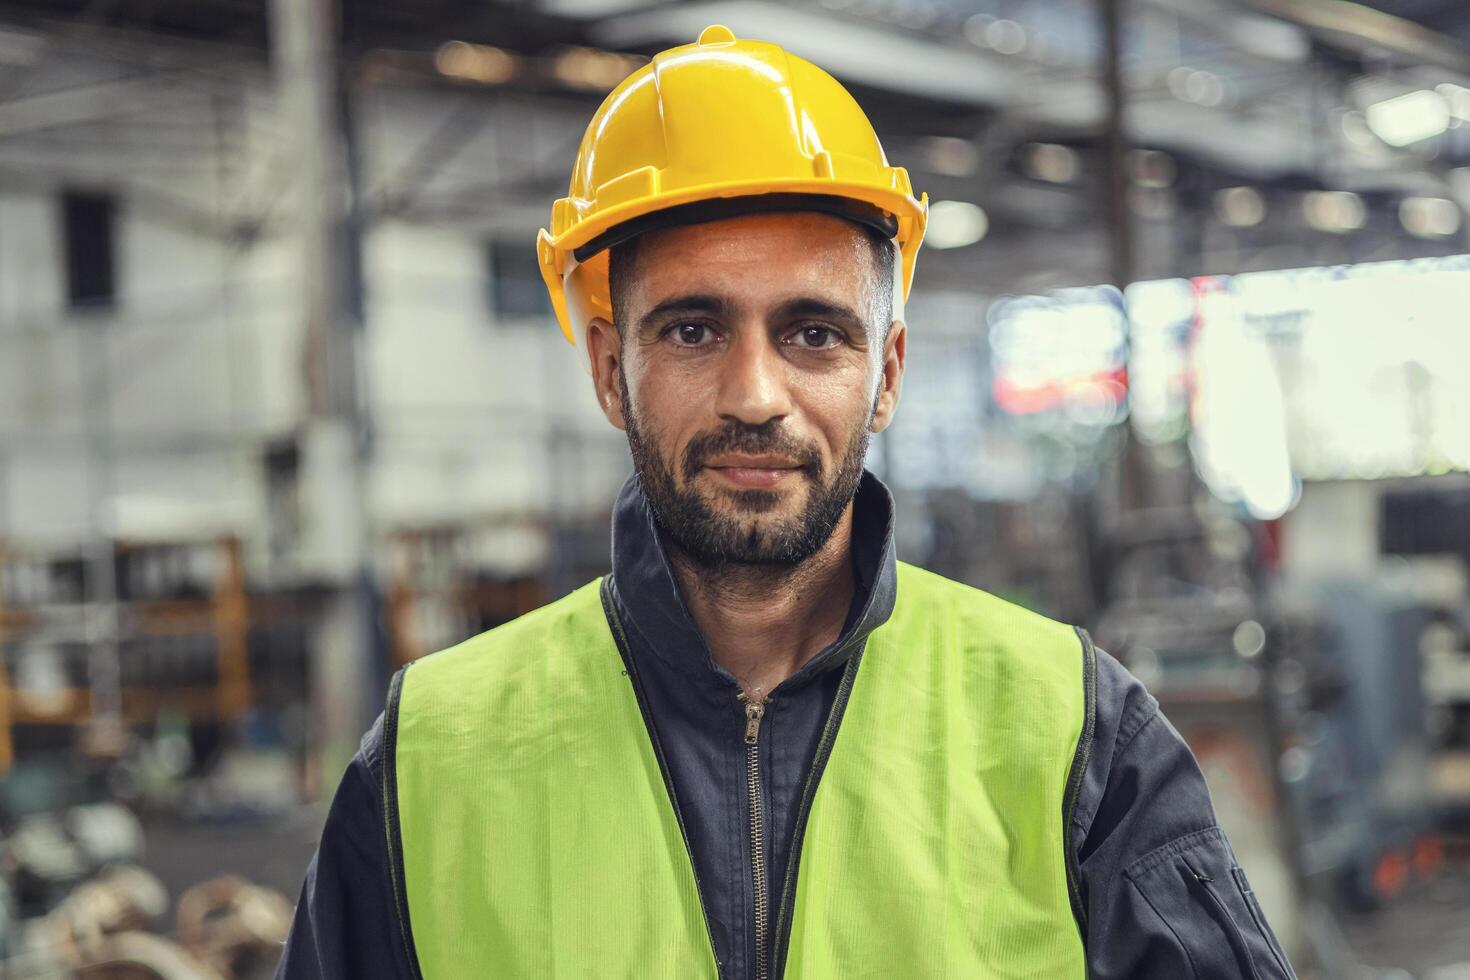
687,303
821,309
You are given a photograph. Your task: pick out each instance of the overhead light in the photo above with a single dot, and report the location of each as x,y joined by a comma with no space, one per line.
976,28
475,62
1337,212
1006,36
1003,36
593,69
955,224
1240,207
1204,88
1407,119
1051,162
950,156
1429,217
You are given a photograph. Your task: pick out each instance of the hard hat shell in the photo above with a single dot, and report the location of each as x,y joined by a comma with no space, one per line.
720,118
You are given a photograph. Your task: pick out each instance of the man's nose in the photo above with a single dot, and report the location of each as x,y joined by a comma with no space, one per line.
754,383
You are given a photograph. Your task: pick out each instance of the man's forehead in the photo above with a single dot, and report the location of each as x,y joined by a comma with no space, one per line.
806,232
778,247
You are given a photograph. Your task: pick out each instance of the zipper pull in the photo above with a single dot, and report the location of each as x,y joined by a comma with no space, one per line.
754,711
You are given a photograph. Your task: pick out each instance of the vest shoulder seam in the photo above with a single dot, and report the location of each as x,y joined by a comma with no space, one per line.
1080,760
392,829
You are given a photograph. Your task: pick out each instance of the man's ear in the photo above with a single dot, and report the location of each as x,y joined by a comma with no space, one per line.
891,380
604,353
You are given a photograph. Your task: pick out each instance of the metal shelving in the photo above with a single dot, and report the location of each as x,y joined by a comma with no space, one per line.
179,628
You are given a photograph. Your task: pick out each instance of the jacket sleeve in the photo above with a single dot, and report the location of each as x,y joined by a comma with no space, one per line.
345,927
1162,892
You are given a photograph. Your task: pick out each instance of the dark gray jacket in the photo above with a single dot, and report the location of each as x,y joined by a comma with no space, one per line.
1160,893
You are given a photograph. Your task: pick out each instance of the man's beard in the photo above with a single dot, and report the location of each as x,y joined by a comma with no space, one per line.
714,539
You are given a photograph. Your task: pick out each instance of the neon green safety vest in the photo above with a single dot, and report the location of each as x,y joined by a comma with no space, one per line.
532,833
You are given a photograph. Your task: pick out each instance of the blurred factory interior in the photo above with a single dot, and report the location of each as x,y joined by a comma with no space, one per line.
282,407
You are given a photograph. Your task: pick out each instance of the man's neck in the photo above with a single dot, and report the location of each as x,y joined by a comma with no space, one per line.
763,622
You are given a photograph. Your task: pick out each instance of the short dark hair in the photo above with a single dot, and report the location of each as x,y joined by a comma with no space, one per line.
622,261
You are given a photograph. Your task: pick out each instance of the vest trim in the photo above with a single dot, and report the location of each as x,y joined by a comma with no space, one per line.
620,640
804,809
1080,762
390,820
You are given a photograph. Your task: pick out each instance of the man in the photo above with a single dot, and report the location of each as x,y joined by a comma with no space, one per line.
762,747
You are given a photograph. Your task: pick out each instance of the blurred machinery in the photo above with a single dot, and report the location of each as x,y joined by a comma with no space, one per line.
1433,522
74,902
1185,617
1304,706
1444,643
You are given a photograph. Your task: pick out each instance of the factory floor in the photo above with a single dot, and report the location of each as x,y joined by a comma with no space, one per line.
1425,933
273,854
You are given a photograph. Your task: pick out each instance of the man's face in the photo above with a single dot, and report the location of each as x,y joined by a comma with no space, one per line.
754,366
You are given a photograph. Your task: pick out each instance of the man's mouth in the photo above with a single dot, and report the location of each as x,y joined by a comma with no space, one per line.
754,472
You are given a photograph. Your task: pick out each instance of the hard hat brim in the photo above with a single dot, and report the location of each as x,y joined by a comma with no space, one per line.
719,209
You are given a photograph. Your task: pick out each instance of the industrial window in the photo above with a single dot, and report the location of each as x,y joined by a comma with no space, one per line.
515,286
87,229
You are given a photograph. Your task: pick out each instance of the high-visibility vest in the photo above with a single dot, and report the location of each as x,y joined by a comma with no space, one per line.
533,833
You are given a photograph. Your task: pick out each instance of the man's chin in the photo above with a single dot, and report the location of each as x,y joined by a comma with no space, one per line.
738,504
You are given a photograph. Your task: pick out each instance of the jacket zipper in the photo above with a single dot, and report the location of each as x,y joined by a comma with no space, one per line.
754,712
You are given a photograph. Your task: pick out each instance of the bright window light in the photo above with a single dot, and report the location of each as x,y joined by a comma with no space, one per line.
1409,118
955,224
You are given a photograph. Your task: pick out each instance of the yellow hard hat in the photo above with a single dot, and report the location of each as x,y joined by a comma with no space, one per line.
709,130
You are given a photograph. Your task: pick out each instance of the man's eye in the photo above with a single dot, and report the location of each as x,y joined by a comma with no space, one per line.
815,338
691,334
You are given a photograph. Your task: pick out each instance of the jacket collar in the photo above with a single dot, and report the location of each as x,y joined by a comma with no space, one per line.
654,614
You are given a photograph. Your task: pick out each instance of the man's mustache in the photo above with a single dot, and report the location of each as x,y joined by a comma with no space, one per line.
738,437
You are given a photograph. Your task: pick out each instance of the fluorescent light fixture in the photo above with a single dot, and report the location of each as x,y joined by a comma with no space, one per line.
1051,162
955,224
1429,217
1338,212
1409,118
1240,207
475,62
950,156
593,69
